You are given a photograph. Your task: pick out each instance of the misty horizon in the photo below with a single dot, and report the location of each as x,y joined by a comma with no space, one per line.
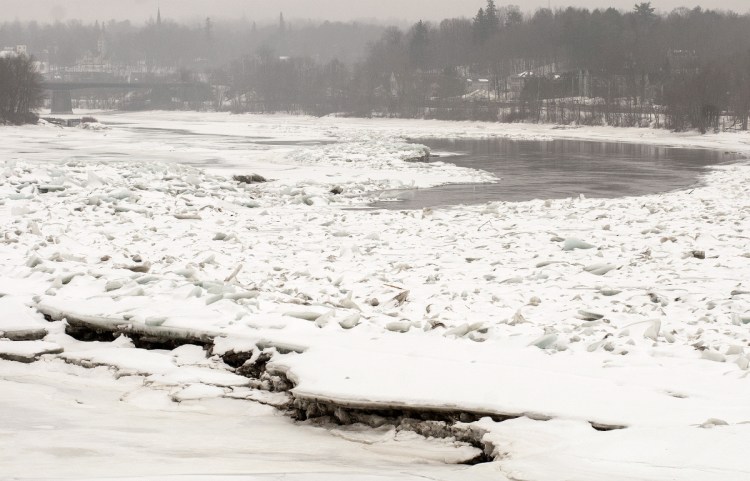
138,11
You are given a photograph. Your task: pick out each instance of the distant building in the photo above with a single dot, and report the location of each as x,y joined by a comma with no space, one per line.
479,84
7,52
516,84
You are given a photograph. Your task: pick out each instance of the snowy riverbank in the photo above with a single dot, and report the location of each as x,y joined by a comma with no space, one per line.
567,315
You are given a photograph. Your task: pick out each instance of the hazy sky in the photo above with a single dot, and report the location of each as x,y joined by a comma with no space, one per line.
263,10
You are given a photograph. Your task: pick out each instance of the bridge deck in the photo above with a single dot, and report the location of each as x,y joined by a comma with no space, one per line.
64,85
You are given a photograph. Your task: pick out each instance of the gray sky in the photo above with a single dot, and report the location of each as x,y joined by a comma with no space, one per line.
263,10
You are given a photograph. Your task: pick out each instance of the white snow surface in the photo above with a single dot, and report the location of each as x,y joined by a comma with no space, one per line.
496,309
15,317
27,350
563,450
66,422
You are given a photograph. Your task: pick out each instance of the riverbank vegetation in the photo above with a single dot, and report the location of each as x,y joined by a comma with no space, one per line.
683,69
20,90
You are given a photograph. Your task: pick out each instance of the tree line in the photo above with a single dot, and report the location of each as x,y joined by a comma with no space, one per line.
682,69
688,68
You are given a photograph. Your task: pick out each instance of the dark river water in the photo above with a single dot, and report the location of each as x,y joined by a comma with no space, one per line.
560,169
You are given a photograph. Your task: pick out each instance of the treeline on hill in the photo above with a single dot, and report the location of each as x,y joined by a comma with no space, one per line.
20,93
689,68
686,69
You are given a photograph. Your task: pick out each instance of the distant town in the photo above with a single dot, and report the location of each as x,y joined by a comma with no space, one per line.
681,69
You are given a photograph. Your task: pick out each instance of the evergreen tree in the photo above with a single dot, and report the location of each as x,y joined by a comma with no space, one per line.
480,26
644,9
487,21
513,16
418,45
491,17
208,29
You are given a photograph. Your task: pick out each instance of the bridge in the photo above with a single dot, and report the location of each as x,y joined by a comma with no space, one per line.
61,102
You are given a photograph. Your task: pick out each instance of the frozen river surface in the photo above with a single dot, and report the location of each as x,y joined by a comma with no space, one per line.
560,168
549,320
526,168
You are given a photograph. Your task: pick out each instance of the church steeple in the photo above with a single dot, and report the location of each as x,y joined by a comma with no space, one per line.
158,16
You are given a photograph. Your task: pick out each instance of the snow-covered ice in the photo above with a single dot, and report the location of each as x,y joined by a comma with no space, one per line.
19,322
66,422
568,315
26,351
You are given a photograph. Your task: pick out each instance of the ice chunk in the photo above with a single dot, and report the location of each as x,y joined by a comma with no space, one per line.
545,341
350,321
398,326
19,322
571,243
27,351
197,391
599,269
713,355
653,330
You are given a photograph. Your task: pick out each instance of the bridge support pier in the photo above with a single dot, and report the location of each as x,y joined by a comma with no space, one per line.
61,102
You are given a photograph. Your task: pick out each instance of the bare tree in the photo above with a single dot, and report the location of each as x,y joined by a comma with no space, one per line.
20,89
